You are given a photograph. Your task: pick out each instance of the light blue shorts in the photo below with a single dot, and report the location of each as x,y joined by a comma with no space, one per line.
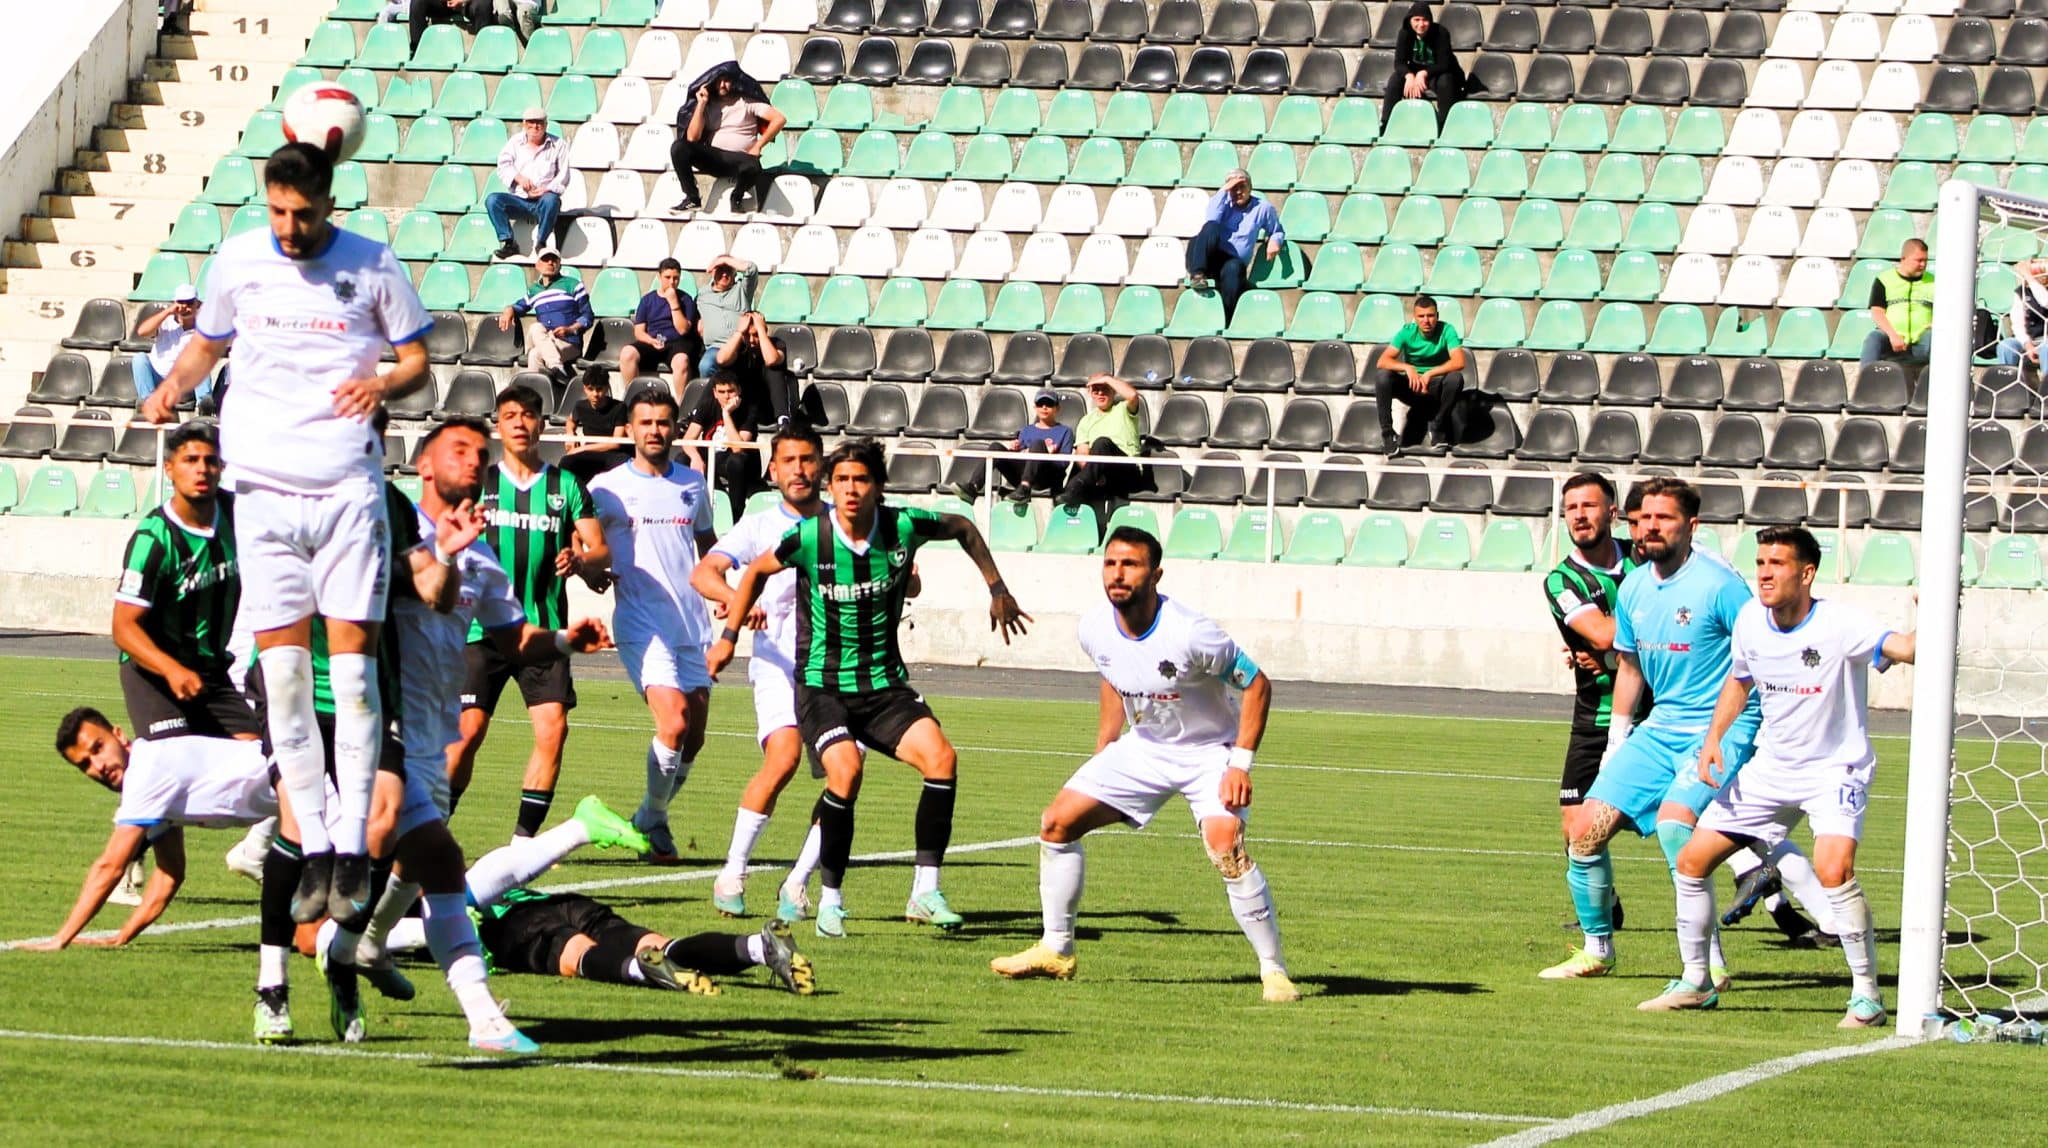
1655,766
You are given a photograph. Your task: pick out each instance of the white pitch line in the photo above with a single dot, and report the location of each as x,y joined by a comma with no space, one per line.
351,1053
1693,1093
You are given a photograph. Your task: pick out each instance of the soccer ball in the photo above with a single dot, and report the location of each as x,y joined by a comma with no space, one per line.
327,116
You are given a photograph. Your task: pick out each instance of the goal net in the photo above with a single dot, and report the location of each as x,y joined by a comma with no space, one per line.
1974,923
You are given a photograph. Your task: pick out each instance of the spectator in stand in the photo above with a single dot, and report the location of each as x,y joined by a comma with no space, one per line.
722,304
1422,366
593,422
2029,319
1108,430
1028,476
472,16
560,309
724,416
169,330
1224,248
1902,307
1425,67
664,331
534,166
720,130
756,359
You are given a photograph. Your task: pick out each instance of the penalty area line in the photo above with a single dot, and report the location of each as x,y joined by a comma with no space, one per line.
347,1052
1694,1093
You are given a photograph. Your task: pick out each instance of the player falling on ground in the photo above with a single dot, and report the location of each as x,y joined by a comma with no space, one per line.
544,531
433,629
1196,705
657,519
1808,660
1671,634
310,308
853,570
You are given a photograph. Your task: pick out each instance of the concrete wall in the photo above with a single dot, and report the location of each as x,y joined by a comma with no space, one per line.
1406,627
61,68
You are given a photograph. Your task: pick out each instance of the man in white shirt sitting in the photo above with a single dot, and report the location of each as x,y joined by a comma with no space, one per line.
169,329
534,166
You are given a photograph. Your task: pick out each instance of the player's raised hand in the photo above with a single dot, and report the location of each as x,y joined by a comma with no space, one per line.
185,685
1235,791
356,398
588,636
161,406
1710,763
1005,615
568,562
458,526
718,657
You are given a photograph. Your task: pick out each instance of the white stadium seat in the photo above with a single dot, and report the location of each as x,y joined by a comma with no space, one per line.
1756,132
1931,7
986,256
1777,84
1132,211
1800,36
1753,281
1772,231
737,16
643,243
813,250
870,253
759,244
766,58
687,14
1711,230
1825,7
576,197
647,150
1104,260
1737,180
621,194
594,147
790,200
1913,39
1795,182
1836,84
1070,210
1872,136
627,101
657,56
1812,282
845,203
587,242
707,49
1893,87
698,243
1047,258
1855,36
1853,184
1016,207
1874,7
1830,234
1694,278
929,253
901,205
1814,134
1162,261
1181,215
790,16
669,104
958,205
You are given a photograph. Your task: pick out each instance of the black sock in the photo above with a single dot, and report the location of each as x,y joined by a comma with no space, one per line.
935,821
835,838
281,865
533,810
608,959
713,954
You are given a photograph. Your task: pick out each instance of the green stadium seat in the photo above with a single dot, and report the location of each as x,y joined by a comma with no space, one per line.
1931,136
1470,126
515,94
430,139
1259,315
873,155
1211,161
1911,187
2011,562
1698,132
842,302
548,53
798,103
1251,535
380,140
162,274
1382,542
1241,118
1744,557
1736,339
1020,306
1559,175
1497,324
10,488
1581,127
1318,315
502,285
1071,114
1127,116
1136,515
263,135
199,280
363,83
295,77
1479,223
1318,540
1457,271
197,229
1419,220
819,152
1640,131
1681,330
1140,310
1413,124
1560,326
961,304
1196,532
451,191
785,298
573,12
1887,561
440,50
1653,227
385,48
350,187
1445,544
1574,274
1079,308
1972,564
1385,172
1516,273
1506,546
1272,168
602,54
615,293
574,101
899,303
1354,122
1802,334
369,223
1524,127
232,183
1617,177
1619,329
721,512
1443,171
1503,174
248,217
359,10
494,51
1098,162
1361,219
629,13
1678,179
849,108
1339,267
1196,313
481,141
1706,539
1378,318
986,159
1155,163
110,494
1850,330
1069,531
404,97
462,97
444,287
1305,217
1184,116
1296,119
1596,226
1538,225
1396,270
52,493
1856,285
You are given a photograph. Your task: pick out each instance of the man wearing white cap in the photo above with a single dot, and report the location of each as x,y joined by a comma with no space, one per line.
534,166
170,329
1224,248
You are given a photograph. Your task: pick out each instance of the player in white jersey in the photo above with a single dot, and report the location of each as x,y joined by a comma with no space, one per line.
656,516
1810,661
1196,705
310,308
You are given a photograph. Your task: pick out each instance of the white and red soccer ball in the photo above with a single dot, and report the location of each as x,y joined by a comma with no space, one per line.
327,116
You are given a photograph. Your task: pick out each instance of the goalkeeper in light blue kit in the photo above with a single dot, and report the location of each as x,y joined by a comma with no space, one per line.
1672,634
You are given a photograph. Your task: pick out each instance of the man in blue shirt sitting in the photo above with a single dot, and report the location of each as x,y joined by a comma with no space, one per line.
560,309
1046,434
1224,248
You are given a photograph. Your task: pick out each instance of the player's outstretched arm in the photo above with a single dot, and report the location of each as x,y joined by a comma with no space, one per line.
123,846
1004,614
1628,688
433,562
707,578
1253,709
1900,647
1728,707
1596,626
194,364
587,551
527,644
164,884
740,605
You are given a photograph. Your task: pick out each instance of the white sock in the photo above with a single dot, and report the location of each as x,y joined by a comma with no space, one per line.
358,735
1601,946
511,866
297,749
392,905
1795,872
746,829
271,961
1743,861
662,781
342,946
1859,942
1695,926
923,879
1715,957
451,936
830,898
799,877
256,842
1252,904
1062,870
408,934
757,949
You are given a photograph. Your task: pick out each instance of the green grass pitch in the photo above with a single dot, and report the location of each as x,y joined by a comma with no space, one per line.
1416,866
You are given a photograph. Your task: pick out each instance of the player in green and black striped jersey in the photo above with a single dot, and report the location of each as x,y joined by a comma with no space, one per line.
176,602
1581,591
853,571
544,530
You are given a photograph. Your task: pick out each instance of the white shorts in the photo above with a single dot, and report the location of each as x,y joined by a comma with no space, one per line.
305,554
1135,777
774,697
427,795
654,662
1766,800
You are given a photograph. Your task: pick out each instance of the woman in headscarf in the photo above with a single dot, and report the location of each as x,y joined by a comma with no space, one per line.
1424,67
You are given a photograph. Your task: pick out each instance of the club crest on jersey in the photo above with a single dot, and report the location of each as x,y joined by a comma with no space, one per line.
899,556
1168,670
1684,616
1810,656
344,288
556,502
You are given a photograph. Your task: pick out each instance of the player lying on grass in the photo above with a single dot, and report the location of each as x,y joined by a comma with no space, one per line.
1197,706
1808,660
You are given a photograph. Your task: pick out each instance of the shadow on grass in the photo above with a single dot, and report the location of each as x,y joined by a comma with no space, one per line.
777,1042
1030,925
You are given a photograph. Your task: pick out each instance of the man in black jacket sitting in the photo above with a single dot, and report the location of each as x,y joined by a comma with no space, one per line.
1424,67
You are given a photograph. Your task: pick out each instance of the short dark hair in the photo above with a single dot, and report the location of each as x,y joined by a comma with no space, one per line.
725,375
191,431
1633,500
528,399
71,724
1423,302
655,395
669,264
454,422
596,377
1799,538
302,168
1664,486
1910,246
796,431
1590,478
865,451
1137,536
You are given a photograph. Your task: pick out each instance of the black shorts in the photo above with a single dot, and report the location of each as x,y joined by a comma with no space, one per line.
487,671
530,936
878,718
1581,765
654,359
219,710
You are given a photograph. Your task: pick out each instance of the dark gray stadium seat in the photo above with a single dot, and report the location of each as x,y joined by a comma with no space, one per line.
2025,43
876,61
610,337
1465,26
1758,384
1086,356
907,357
1697,383
799,347
1385,34
1971,40
1346,24
1206,365
495,347
1513,374
1043,66
1404,485
1910,455
1515,28
1952,88
138,444
1066,20
853,16
417,404
449,339
1209,70
1606,81
1232,22
1881,389
2008,92
2033,455
1463,492
1153,69
1148,362
132,342
1549,80
1339,490
1373,71
957,18
88,437
1685,34
1849,508
1215,483
1001,413
1498,437
116,387
1290,486
1329,369
1797,444
1990,449
884,410
1778,505
1552,436
1358,431
1265,70
1569,30
1614,437
1243,423
1720,502
66,380
1722,84
471,393
987,66
1741,36
915,469
1289,24
821,61
1819,386
1860,444
826,405
1322,73
966,358
1010,20
1627,33
900,18
931,62
1525,495
1738,441
1100,69
1674,440
1898,509
1305,425
2029,511
1026,361
1574,377
1665,82
941,412
1633,381
1183,421
1176,22
101,325
1169,478
1268,367
2002,393
1122,22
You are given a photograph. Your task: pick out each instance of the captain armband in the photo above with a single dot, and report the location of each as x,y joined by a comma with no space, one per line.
1241,672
